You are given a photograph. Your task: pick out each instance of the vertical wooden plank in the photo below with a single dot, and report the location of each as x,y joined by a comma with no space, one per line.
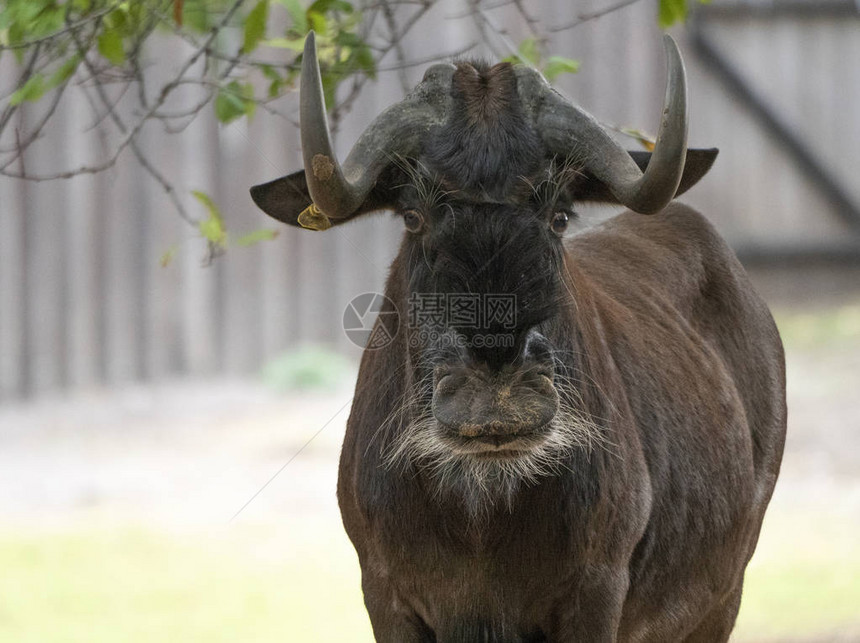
240,168
580,43
121,242
140,198
842,96
165,239
83,265
752,56
200,319
45,230
708,128
814,218
735,129
783,185
845,94
277,154
12,273
645,66
13,291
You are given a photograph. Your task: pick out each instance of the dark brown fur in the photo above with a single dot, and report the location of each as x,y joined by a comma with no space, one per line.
488,92
643,541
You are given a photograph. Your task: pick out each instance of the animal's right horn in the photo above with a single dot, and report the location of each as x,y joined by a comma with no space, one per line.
338,191
567,129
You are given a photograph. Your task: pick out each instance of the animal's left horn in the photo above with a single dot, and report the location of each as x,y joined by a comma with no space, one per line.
338,191
567,130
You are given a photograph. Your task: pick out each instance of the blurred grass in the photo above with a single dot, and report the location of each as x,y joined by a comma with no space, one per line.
829,328
261,584
804,579
137,585
306,368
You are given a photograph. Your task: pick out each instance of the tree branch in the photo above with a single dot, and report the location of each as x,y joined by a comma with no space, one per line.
83,22
593,15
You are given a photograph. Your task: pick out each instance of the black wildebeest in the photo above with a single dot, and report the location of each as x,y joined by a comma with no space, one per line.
593,464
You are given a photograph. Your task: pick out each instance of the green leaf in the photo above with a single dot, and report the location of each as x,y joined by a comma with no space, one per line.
110,46
255,26
324,6
318,22
32,90
672,11
528,51
270,72
117,19
247,91
197,15
234,101
347,39
212,228
557,65
228,106
276,81
364,60
264,234
64,72
297,13
294,44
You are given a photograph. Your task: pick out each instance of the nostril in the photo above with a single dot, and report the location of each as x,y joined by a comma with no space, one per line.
447,380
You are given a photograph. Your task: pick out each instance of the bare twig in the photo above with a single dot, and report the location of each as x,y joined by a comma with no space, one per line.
343,107
36,131
428,59
593,15
531,21
134,130
147,165
482,19
25,76
20,154
388,12
110,107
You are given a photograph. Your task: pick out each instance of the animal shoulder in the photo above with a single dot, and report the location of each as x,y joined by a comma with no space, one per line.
676,252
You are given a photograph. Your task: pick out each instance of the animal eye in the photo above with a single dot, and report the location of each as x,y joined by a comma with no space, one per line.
414,220
559,222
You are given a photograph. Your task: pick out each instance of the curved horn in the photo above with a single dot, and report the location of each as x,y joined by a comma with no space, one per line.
568,129
338,191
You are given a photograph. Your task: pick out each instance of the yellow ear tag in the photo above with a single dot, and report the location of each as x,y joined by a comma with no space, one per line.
312,218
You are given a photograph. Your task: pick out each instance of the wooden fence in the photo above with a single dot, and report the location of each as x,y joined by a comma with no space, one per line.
85,302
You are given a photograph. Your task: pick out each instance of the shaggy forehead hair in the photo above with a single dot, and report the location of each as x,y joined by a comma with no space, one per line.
553,183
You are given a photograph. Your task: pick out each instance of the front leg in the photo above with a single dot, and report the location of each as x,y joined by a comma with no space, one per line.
593,613
393,621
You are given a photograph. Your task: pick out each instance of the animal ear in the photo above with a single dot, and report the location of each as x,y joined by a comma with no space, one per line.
698,162
286,198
